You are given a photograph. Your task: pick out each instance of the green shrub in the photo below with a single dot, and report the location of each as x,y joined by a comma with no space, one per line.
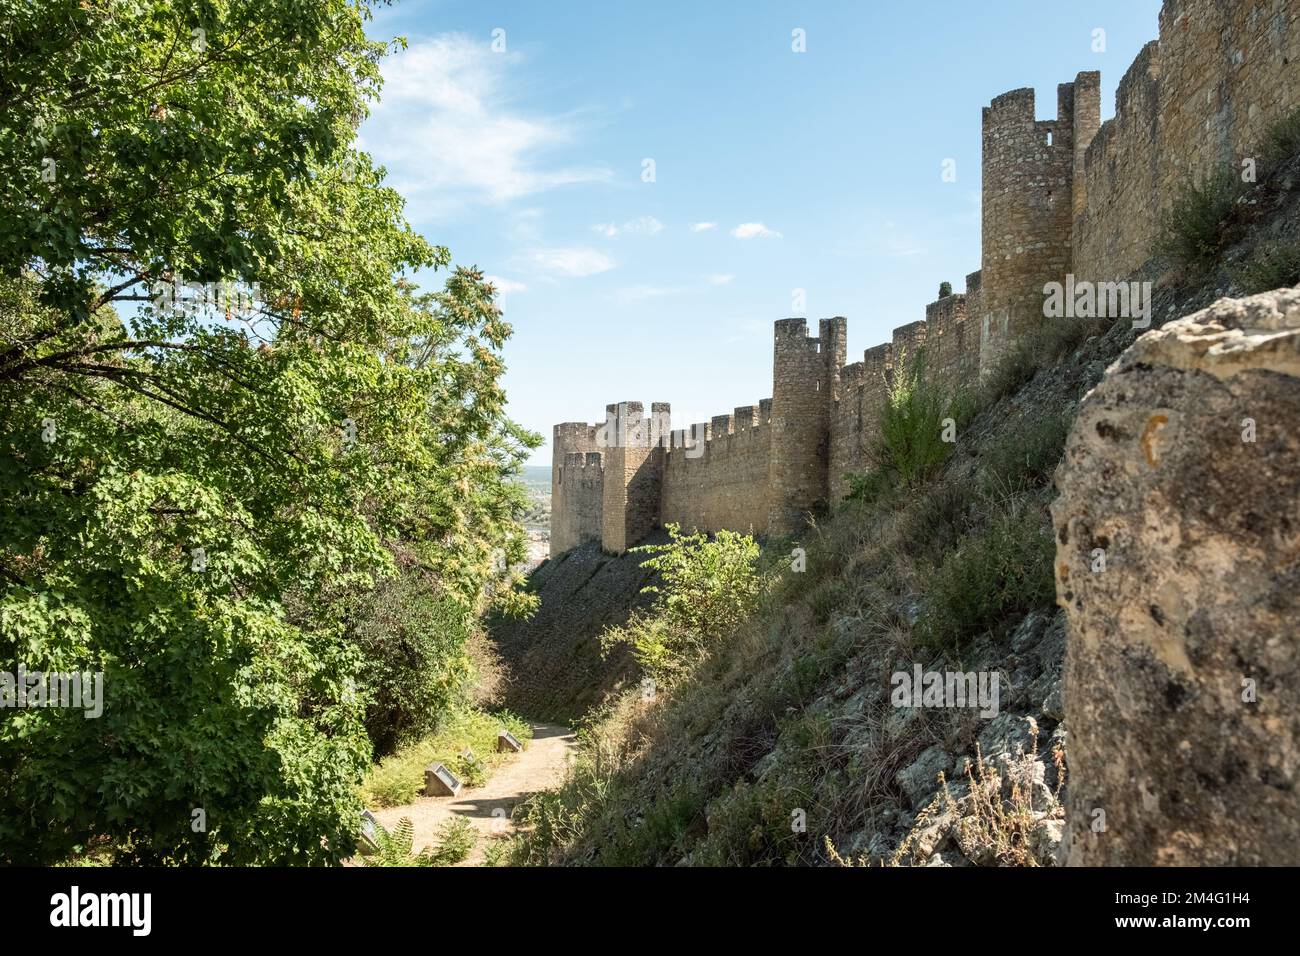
1273,265
1000,570
469,769
1282,141
454,842
499,852
870,487
1199,223
1026,459
911,445
932,523
707,587
417,668
750,825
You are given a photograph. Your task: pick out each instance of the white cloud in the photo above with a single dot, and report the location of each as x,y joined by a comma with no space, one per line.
571,261
703,226
754,230
506,286
718,279
642,225
446,129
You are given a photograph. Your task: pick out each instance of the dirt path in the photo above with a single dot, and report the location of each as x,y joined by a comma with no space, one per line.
541,765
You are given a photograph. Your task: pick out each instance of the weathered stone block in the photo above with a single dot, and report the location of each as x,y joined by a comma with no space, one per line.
1178,564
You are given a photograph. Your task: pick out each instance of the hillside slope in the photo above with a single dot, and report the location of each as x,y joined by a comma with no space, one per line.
557,668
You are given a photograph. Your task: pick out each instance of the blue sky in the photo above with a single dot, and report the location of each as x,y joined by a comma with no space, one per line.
773,171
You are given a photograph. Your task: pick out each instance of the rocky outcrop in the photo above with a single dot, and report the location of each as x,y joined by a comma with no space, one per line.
1178,565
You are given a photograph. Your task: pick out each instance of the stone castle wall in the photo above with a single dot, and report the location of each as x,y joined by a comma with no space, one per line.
1200,97
724,484
1070,195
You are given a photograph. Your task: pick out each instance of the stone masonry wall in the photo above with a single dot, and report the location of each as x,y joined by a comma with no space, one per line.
1201,96
1028,194
568,503
1068,195
581,497
724,485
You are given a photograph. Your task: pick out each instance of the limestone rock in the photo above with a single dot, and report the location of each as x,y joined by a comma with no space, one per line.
1182,684
1008,733
919,779
1045,840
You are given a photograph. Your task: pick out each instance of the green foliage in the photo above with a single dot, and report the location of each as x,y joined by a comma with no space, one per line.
708,586
399,779
1002,569
932,523
912,420
1273,265
469,769
871,486
455,841
413,640
498,852
393,848
945,289
750,825
220,487
1282,141
1199,223
1024,459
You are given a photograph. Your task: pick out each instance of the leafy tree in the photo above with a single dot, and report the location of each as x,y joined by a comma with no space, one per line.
188,495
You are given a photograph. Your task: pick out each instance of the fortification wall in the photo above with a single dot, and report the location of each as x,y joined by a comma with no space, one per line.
569,502
1069,195
724,484
581,497
1200,97
946,352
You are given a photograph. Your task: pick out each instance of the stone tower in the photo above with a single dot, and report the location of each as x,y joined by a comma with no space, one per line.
805,382
575,456
1028,205
633,473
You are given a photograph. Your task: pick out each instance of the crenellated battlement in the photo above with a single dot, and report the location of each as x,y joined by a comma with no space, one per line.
1063,195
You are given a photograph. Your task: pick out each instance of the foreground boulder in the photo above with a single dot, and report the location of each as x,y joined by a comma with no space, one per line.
1178,565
